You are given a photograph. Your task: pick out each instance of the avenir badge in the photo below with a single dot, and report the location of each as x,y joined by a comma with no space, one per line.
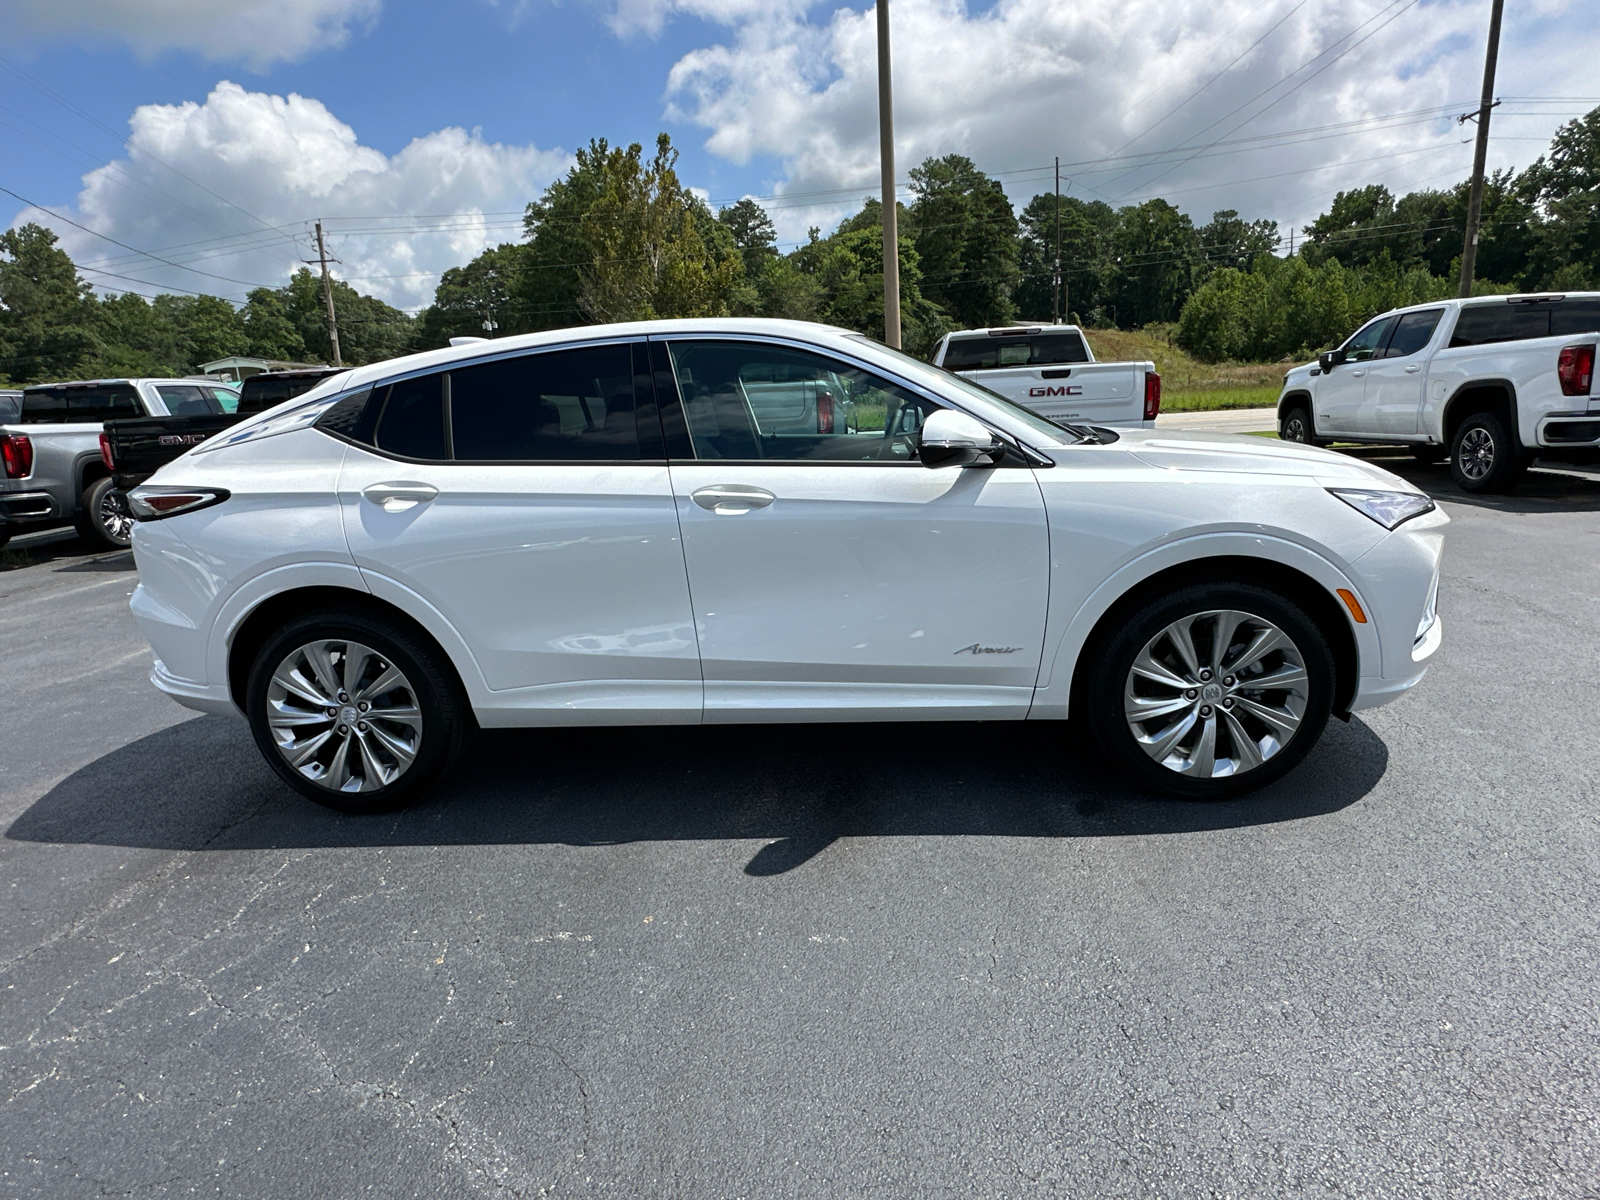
975,648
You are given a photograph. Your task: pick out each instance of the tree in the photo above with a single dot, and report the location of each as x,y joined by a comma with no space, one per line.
369,330
1088,258
46,311
475,300
269,331
1230,241
965,235
753,233
1156,251
847,273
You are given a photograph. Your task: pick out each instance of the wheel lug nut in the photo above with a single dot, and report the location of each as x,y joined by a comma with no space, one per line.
1205,710
1204,675
344,698
1228,680
343,729
361,726
1189,695
1228,703
333,712
364,705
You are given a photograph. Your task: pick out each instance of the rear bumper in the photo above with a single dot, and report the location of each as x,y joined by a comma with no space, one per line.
1570,431
197,696
27,507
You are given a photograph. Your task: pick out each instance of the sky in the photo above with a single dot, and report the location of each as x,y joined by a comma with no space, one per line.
189,145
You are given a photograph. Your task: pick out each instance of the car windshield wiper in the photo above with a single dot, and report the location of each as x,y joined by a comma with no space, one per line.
1083,433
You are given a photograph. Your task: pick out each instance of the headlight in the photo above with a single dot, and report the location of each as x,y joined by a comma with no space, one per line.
1388,509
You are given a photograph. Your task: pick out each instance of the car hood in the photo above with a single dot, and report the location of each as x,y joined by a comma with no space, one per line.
1245,454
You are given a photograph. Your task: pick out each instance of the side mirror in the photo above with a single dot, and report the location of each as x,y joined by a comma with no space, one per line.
1329,359
953,439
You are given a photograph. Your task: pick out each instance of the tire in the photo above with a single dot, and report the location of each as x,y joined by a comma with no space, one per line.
371,773
1484,457
105,520
1132,714
1428,454
1295,426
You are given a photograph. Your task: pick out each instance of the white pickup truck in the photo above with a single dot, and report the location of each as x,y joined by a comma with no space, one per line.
1494,382
1051,370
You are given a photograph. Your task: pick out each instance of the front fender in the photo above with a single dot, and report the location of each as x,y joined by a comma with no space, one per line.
1053,695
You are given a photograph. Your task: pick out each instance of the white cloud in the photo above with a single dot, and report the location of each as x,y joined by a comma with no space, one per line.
1025,80
281,162
256,32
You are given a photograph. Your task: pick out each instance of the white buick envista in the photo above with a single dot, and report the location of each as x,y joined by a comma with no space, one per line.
749,520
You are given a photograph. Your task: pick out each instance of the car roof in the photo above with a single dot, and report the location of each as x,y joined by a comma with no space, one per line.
130,379
494,347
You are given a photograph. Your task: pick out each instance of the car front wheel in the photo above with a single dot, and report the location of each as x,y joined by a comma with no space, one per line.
354,711
1211,691
1296,427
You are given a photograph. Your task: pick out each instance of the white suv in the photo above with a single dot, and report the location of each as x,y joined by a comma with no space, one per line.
600,527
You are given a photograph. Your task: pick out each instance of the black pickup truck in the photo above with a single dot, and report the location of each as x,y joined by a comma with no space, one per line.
135,448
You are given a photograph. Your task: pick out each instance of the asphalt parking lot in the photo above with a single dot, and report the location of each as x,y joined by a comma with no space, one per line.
886,961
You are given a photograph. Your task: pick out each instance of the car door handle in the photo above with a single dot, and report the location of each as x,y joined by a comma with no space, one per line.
1413,368
1357,374
732,499
397,497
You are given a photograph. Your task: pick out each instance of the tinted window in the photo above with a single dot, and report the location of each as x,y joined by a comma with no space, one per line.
1019,350
744,400
10,407
565,406
412,421
1368,340
56,406
1575,316
261,392
189,400
1484,324
1413,332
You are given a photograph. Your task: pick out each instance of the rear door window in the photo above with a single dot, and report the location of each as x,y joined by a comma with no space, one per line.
411,422
1414,332
1486,324
560,406
1014,350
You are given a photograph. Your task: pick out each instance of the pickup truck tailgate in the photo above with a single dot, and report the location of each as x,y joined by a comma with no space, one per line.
142,445
1098,393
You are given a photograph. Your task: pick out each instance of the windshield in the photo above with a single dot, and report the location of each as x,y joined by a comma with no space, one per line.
940,380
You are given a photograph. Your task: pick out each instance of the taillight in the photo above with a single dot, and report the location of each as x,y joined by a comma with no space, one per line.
154,503
16,450
105,452
824,412
1152,395
1575,369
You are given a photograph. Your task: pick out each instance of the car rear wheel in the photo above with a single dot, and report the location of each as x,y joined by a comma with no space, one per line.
105,520
1484,457
1211,691
355,712
1296,427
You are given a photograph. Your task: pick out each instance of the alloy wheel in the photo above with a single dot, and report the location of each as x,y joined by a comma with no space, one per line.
1475,454
344,716
1294,430
1216,694
117,522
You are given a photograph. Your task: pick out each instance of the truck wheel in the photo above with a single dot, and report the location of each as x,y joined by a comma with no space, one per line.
1485,458
354,711
105,520
1296,427
1217,689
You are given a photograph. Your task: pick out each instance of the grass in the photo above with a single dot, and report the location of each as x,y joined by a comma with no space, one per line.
1187,384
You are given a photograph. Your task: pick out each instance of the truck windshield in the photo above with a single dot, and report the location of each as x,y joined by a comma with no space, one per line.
190,400
987,351
64,404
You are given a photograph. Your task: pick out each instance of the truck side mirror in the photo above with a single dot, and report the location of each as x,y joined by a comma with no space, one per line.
1329,359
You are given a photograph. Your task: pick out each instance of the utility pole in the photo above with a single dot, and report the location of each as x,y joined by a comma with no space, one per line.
891,217
1055,287
327,297
1291,241
1469,251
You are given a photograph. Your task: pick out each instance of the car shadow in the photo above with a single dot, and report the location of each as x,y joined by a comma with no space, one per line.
202,785
1550,487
